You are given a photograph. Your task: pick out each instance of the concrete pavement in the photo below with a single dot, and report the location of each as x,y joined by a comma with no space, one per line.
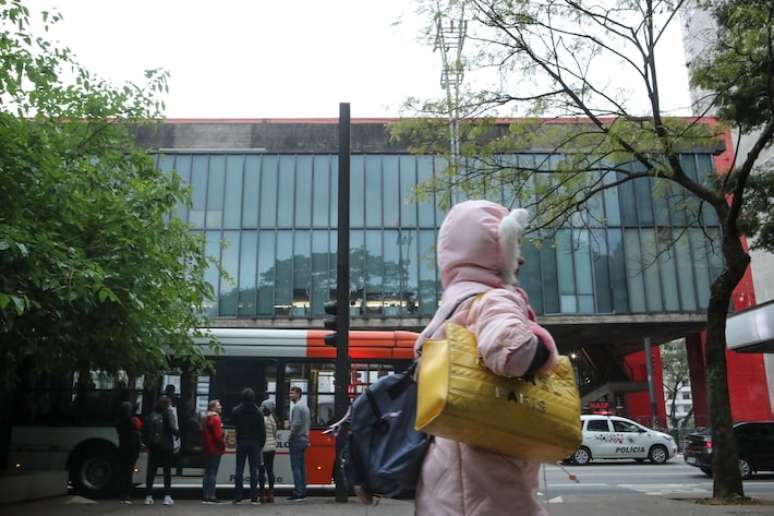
637,505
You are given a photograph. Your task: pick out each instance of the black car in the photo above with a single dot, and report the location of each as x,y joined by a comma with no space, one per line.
754,441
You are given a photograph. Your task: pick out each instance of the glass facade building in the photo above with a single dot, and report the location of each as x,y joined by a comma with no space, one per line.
270,220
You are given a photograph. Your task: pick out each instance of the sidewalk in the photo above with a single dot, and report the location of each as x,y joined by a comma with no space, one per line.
630,505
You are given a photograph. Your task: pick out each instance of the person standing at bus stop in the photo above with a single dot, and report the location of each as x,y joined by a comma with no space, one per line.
214,446
159,430
269,449
250,436
298,442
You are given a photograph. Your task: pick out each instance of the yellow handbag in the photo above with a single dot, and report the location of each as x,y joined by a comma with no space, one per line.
459,398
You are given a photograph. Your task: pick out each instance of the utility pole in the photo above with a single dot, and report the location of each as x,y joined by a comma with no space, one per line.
342,294
449,39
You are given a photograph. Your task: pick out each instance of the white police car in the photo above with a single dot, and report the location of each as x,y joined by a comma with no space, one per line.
613,437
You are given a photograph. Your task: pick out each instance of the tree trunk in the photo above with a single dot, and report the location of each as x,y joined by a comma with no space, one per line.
727,482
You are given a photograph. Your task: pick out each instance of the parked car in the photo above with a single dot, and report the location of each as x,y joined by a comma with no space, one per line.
613,437
754,442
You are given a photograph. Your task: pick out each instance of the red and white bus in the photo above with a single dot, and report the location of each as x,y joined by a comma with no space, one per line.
55,428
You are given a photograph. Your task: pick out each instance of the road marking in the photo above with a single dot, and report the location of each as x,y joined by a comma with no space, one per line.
557,499
666,489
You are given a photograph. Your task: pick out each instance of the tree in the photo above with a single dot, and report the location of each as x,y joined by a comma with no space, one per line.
94,273
675,365
558,58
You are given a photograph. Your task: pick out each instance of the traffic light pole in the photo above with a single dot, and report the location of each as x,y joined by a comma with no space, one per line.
342,292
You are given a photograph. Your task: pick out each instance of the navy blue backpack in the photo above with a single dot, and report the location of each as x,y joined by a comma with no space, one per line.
384,453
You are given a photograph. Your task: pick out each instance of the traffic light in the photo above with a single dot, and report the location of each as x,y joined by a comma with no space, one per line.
331,307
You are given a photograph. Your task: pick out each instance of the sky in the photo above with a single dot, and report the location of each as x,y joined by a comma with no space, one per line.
279,58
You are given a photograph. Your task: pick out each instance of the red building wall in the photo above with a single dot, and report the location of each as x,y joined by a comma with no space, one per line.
638,403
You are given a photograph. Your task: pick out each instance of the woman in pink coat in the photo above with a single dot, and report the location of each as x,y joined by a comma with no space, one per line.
479,252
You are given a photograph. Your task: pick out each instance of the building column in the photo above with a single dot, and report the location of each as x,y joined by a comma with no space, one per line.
694,349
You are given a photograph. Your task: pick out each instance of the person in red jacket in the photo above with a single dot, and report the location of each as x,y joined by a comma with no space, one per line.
214,445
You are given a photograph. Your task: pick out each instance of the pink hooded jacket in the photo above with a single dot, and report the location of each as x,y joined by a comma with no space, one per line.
478,251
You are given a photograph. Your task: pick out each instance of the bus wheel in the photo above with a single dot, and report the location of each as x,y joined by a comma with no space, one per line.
94,471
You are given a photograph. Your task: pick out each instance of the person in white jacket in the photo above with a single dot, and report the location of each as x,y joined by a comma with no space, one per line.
269,449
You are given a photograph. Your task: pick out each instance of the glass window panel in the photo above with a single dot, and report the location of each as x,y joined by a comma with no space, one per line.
529,276
391,287
248,258
427,206
316,381
586,304
618,283
302,278
335,191
427,285
550,276
321,191
233,202
595,205
357,191
651,271
357,268
268,206
667,264
285,191
212,250
628,200
320,283
303,200
685,273
644,199
409,271
600,263
568,303
230,264
215,186
701,250
250,192
199,191
690,201
183,167
374,273
266,272
706,171
565,270
612,208
440,172
332,274
634,266
661,200
408,180
283,279
583,274
373,191
166,162
390,180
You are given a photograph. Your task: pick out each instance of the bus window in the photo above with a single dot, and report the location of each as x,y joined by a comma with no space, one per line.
233,374
316,379
363,375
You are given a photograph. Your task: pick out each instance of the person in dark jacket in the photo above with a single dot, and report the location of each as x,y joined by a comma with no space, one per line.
250,436
128,427
160,454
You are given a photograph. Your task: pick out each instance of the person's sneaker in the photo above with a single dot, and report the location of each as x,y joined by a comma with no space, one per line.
149,500
205,501
214,500
296,498
254,501
168,500
236,501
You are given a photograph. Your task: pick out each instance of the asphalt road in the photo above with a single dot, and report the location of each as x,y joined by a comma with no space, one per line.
674,478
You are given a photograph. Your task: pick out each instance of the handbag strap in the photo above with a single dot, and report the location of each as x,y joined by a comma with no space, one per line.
449,316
